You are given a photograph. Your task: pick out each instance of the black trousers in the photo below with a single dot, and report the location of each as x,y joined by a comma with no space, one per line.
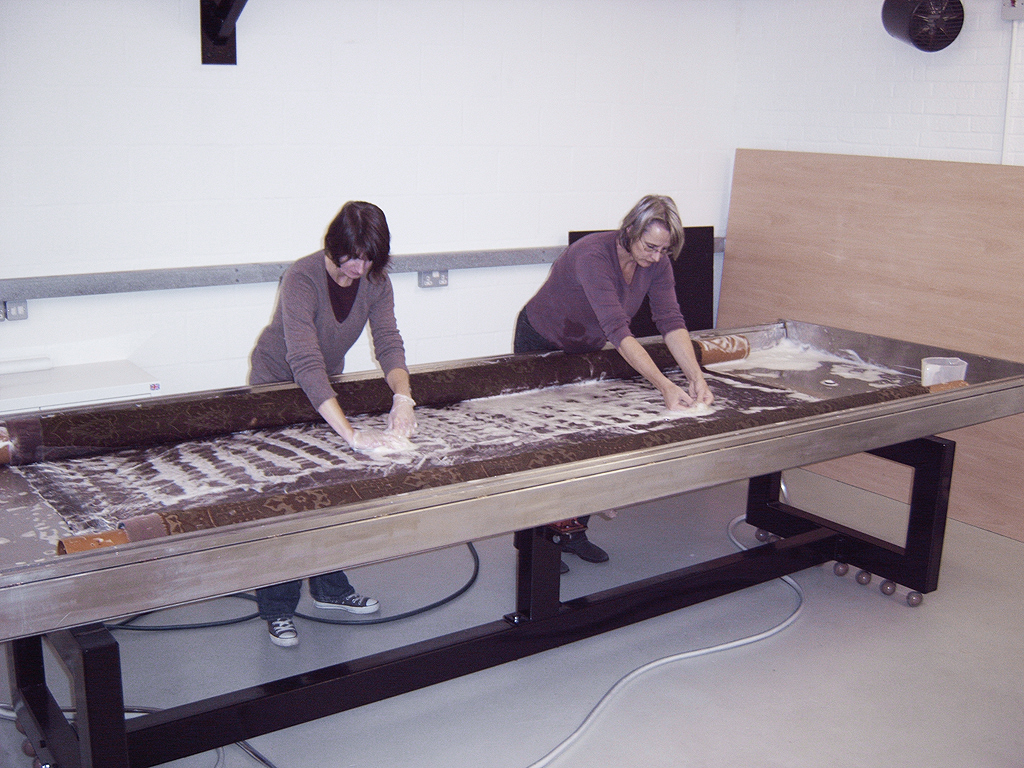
528,339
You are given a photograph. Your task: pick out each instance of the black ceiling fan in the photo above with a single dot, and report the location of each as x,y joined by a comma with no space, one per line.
929,25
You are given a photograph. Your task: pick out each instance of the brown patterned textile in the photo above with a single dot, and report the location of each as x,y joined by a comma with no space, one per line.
337,495
189,463
487,464
162,421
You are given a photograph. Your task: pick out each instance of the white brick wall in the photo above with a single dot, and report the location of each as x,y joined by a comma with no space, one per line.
475,124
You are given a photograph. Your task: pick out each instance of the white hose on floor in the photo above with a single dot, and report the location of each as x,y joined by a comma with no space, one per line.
576,735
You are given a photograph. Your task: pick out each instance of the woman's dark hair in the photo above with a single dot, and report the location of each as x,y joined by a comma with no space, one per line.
360,231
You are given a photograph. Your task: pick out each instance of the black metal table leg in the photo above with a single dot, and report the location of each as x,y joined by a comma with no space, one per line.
537,575
98,737
916,564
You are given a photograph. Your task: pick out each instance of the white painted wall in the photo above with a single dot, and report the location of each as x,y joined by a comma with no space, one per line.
475,124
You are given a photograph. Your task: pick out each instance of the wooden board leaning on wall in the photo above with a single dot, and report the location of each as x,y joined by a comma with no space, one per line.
927,251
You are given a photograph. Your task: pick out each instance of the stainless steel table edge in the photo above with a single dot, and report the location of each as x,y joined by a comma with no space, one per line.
160,573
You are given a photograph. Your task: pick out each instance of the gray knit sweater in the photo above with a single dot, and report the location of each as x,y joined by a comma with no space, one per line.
304,342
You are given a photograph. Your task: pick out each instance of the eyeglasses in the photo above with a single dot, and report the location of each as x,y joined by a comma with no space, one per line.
346,259
653,249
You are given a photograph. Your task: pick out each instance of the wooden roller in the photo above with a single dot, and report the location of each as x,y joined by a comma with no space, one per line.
89,541
719,349
946,386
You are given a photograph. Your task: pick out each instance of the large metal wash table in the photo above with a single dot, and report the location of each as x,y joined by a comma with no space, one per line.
852,393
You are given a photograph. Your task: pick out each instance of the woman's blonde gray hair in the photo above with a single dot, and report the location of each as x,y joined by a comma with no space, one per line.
652,209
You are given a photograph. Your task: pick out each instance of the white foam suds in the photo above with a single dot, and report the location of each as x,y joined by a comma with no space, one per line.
690,412
301,456
393,446
789,355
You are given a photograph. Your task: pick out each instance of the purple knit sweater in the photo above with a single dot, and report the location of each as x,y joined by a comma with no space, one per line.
586,301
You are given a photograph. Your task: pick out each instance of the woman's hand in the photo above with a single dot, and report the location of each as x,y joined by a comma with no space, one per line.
676,398
696,393
402,419
701,392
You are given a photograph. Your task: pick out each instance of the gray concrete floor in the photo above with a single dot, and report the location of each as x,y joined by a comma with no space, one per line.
858,678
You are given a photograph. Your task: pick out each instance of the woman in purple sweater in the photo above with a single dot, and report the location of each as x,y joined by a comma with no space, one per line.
592,292
324,302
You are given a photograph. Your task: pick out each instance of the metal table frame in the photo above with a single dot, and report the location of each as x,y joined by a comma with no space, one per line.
101,737
62,601
86,588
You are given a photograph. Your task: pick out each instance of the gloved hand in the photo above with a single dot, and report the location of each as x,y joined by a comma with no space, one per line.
368,439
378,444
402,419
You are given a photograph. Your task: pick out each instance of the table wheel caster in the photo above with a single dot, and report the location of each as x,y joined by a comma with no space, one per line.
863,577
914,599
761,534
840,569
887,587
27,748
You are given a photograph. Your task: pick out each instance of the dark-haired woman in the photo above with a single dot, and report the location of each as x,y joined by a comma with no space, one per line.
589,298
324,302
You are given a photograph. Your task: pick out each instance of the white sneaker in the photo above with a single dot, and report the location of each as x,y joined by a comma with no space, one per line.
352,603
283,632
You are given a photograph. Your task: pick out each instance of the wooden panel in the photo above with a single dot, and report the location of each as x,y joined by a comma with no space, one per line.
881,476
927,251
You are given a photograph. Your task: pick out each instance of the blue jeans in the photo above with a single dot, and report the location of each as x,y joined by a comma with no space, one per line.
281,600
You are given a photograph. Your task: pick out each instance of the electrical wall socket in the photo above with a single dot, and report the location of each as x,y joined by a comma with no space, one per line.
1013,10
16,310
435,278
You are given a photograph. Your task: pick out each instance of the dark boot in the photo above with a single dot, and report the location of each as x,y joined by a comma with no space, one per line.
578,544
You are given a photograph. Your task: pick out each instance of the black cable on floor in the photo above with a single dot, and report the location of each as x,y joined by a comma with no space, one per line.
129,625
243,745
415,612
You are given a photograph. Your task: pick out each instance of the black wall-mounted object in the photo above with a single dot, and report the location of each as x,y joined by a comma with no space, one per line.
217,26
695,282
929,25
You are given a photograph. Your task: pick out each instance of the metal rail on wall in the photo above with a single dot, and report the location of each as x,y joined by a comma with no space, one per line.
89,284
